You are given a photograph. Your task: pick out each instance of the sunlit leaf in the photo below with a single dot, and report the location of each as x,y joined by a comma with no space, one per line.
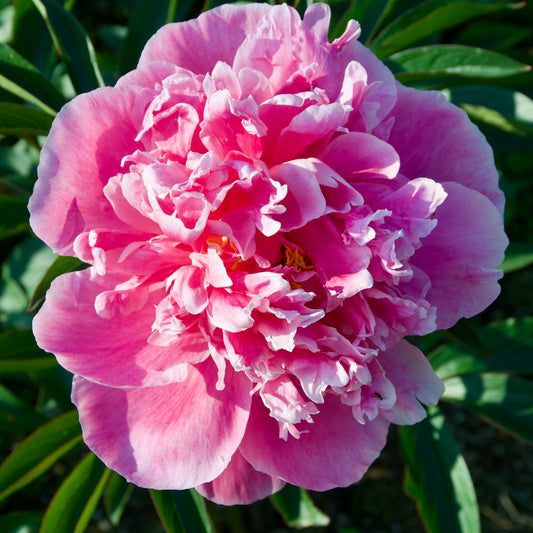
61,265
437,477
38,452
74,503
72,44
19,120
452,60
297,509
505,400
21,78
429,18
511,347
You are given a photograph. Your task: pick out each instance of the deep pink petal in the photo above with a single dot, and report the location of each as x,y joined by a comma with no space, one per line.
335,452
461,254
240,484
171,437
112,351
414,381
77,160
436,139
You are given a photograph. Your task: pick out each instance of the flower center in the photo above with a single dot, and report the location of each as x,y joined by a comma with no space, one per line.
293,257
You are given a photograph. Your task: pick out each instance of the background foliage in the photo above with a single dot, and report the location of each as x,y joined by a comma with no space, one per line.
467,467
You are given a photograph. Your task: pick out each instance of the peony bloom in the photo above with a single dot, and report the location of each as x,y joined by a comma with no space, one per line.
266,215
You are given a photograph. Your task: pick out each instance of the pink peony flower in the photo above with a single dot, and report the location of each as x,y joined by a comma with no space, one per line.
266,215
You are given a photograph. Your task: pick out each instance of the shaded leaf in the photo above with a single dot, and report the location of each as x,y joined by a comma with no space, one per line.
437,477
20,522
511,347
505,400
465,333
452,60
168,512
117,494
16,415
13,216
429,18
61,265
72,44
20,121
73,504
297,509
38,452
518,255
21,78
20,353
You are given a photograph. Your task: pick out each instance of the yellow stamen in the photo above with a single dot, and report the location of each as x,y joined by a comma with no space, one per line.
294,258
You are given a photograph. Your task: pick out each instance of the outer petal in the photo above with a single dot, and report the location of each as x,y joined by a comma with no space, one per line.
112,351
335,452
216,34
87,142
436,139
461,254
171,437
240,483
414,380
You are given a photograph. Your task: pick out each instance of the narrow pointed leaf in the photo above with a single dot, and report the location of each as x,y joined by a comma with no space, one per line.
168,512
510,343
20,121
506,401
61,265
38,452
116,496
518,255
429,18
21,78
437,477
74,503
72,44
20,353
452,60
16,415
297,509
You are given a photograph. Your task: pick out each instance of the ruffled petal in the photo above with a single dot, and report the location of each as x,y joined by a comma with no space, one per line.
171,437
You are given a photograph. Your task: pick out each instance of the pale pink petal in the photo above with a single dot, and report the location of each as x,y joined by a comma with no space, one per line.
67,201
216,34
240,484
112,351
436,139
463,284
414,381
170,437
308,462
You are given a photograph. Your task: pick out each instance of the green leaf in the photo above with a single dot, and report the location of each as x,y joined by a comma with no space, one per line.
16,415
116,497
297,509
20,522
465,333
21,78
429,18
61,265
505,109
182,511
518,255
13,214
20,353
20,121
504,400
147,17
437,477
72,44
452,60
38,452
74,503
511,347
167,511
